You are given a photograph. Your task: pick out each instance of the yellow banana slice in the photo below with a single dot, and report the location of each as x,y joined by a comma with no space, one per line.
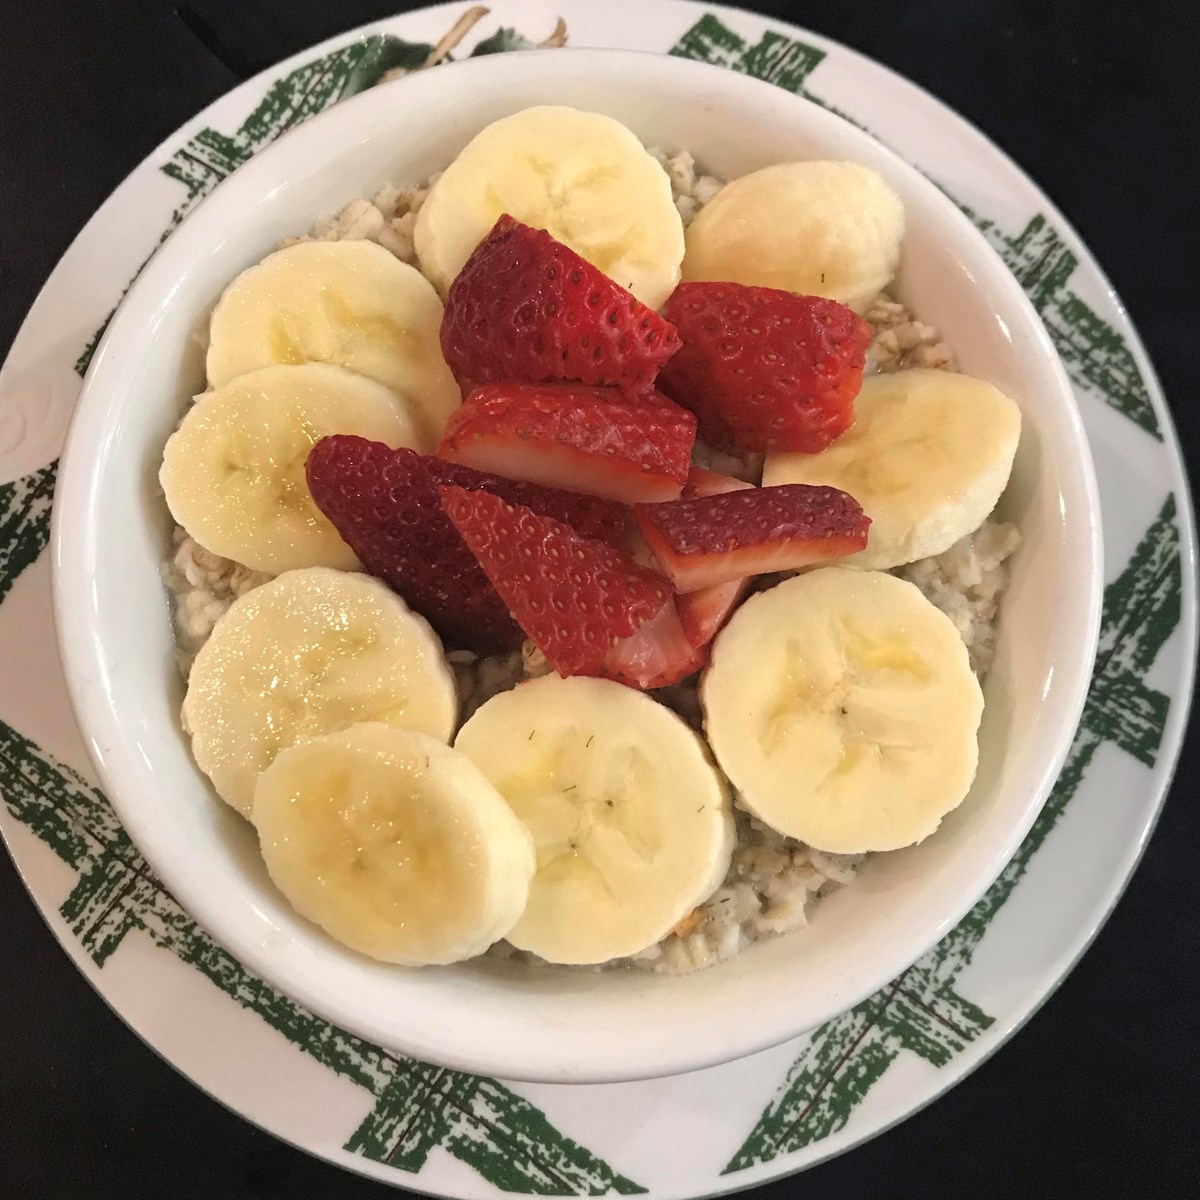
816,228
581,176
928,456
394,844
311,652
233,472
348,303
843,708
630,820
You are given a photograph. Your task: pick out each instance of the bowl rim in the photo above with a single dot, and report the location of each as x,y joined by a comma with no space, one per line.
76,499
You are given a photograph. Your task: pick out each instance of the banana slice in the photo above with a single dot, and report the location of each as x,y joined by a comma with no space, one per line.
927,457
394,844
233,472
309,653
816,228
581,176
843,708
348,303
631,822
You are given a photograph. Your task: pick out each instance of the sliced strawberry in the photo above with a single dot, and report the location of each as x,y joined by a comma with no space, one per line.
657,655
663,651
712,540
703,612
526,307
385,504
573,596
587,439
764,369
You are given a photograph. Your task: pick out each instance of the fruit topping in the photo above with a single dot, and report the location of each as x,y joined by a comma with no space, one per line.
393,843
712,540
816,228
385,504
312,651
528,308
928,457
573,596
581,175
843,708
631,822
587,439
657,655
349,304
703,612
763,369
233,472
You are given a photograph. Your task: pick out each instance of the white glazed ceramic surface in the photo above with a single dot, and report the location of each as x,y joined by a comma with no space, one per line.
111,537
729,1127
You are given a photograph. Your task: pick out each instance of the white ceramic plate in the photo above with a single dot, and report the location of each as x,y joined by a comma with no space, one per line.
559,1027
733,1126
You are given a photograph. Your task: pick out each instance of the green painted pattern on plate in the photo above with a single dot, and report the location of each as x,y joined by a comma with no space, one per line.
417,1106
200,165
209,156
24,523
921,1012
1096,356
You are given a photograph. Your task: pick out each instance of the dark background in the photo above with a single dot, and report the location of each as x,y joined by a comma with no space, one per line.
1098,1096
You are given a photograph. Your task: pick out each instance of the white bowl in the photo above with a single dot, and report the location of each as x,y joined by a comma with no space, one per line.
111,532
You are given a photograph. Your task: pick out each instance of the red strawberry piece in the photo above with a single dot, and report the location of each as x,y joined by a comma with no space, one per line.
587,439
665,650
703,612
657,655
700,614
712,540
573,596
385,504
526,307
763,369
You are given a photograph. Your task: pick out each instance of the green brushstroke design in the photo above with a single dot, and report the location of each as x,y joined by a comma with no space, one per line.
417,1107
209,156
921,1012
501,41
24,523
1096,356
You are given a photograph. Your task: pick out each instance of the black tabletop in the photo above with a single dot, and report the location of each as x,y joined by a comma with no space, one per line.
1098,1095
